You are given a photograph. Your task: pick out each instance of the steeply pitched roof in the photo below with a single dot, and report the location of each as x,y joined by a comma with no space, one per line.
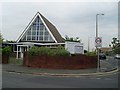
52,29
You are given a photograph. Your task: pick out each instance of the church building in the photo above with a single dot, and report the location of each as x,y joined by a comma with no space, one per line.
40,32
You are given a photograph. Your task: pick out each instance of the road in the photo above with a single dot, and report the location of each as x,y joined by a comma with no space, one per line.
13,80
109,63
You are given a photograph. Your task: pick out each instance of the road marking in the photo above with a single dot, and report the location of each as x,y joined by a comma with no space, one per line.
108,79
96,78
103,68
103,78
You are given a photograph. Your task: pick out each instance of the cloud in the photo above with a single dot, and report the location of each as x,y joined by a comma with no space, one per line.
76,19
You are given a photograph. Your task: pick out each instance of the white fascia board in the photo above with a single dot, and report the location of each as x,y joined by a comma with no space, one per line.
23,45
27,27
49,43
47,28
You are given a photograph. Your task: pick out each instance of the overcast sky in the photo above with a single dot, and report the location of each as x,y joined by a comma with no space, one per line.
75,19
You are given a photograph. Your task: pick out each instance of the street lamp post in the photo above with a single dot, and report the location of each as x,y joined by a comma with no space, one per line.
98,67
89,44
97,24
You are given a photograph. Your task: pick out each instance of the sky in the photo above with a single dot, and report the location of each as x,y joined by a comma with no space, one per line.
71,18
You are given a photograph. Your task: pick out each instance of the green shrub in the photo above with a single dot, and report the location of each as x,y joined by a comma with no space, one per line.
91,53
117,50
39,51
0,50
33,51
60,51
7,50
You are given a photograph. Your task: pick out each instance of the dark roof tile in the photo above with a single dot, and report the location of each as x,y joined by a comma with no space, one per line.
53,30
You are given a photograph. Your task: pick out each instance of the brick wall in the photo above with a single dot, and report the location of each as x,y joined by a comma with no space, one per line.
5,59
59,62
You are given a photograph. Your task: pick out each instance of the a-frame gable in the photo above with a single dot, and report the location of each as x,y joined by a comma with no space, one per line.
37,31
53,30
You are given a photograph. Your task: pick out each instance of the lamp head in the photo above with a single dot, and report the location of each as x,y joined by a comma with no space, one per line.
99,14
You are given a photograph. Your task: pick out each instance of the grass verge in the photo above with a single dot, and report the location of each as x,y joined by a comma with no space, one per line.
15,61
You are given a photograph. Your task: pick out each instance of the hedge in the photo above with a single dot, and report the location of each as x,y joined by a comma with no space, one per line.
7,50
60,51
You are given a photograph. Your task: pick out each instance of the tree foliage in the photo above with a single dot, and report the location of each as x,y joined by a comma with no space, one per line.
10,41
91,53
1,38
117,50
7,50
115,45
60,51
71,39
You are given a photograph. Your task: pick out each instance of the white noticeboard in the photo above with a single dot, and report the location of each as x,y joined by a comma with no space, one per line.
74,47
98,41
79,49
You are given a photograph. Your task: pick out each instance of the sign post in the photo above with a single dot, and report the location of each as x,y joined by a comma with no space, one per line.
98,43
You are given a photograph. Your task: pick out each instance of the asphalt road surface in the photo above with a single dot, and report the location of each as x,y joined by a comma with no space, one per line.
13,80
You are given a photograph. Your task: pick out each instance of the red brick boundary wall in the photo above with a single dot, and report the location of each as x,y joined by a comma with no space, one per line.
59,62
5,59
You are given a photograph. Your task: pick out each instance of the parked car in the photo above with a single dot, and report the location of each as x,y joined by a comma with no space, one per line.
117,56
102,56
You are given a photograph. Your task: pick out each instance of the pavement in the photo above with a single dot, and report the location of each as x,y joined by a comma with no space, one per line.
106,68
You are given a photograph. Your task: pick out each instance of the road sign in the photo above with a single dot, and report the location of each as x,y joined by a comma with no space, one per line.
98,41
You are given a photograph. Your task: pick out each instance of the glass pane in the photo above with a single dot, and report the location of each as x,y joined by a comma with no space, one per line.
38,19
41,38
38,27
33,38
29,32
41,27
46,33
28,37
37,38
33,32
46,38
41,33
37,33
51,39
41,23
34,27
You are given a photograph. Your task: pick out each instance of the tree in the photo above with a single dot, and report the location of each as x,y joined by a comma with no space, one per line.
1,38
117,50
10,41
115,46
115,43
71,39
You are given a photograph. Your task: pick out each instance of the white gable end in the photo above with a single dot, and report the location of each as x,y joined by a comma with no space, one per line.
37,30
